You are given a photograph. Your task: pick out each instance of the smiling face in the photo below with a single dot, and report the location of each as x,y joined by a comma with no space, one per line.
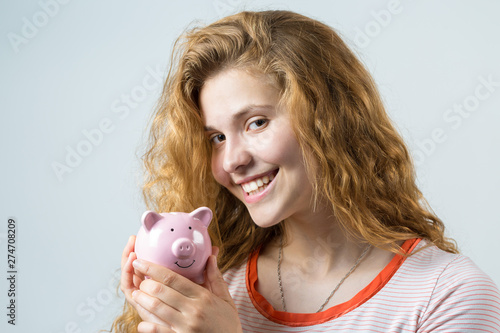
255,153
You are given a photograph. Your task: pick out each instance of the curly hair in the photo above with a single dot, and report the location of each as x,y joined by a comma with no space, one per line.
362,167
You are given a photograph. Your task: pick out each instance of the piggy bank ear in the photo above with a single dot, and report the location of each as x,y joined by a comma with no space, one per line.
149,218
203,214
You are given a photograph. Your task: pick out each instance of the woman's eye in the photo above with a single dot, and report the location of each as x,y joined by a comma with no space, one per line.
216,139
257,124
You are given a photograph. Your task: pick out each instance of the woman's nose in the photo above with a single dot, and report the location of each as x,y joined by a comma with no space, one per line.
236,155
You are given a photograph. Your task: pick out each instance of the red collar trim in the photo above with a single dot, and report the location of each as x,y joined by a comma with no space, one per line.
307,319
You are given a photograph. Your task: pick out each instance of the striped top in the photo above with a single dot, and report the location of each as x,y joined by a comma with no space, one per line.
429,291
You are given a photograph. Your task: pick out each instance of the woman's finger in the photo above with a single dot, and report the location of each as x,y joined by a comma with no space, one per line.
138,278
215,251
130,278
148,316
147,327
155,310
216,282
127,283
130,282
128,248
167,295
167,277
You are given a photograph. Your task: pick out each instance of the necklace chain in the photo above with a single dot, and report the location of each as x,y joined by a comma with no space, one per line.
333,291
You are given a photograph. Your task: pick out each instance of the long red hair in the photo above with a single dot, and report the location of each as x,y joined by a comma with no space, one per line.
363,168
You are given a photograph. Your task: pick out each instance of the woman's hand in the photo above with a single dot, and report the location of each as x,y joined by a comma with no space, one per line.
171,303
130,278
129,281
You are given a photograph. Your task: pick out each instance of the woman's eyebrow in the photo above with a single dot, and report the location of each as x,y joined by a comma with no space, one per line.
243,112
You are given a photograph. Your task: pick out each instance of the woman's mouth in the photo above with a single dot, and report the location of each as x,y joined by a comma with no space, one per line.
257,185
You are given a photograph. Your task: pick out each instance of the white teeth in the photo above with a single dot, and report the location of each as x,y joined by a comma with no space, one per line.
258,185
253,186
247,187
257,191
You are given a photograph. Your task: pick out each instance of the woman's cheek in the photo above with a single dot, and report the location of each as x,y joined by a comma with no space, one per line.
218,172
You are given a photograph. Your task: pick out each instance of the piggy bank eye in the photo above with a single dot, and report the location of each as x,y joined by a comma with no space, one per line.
172,229
190,228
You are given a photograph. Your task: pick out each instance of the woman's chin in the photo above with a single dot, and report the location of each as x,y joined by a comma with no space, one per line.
263,221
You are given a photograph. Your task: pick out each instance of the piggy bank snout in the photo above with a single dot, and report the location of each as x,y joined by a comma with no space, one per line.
183,248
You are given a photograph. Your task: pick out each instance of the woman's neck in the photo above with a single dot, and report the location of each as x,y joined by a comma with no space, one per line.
316,255
320,237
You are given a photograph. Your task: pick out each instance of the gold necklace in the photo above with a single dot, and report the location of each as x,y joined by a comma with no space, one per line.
333,291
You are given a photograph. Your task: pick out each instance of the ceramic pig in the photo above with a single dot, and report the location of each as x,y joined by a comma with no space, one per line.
178,241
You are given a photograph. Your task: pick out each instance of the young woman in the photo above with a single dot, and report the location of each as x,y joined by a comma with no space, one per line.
271,121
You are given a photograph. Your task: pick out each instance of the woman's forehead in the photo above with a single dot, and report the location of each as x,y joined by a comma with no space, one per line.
235,90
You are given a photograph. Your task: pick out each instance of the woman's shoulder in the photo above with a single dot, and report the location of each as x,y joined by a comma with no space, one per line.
444,269
448,266
459,290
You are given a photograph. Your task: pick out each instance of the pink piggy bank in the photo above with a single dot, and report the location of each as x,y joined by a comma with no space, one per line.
178,241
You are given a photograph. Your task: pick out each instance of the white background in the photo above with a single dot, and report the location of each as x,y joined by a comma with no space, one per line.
68,68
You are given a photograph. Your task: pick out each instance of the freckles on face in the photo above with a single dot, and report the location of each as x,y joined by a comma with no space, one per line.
255,154
231,102
218,172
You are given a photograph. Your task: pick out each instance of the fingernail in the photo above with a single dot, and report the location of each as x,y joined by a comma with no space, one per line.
138,264
134,293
